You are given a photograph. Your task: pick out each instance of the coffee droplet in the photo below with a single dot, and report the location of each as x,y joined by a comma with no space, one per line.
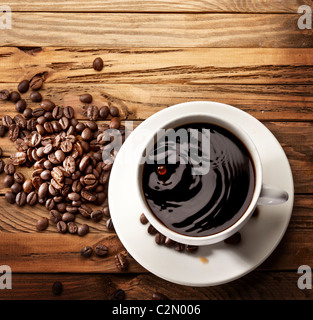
161,170
204,259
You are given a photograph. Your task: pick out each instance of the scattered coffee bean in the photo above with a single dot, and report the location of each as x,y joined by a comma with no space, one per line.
15,96
98,64
16,188
4,94
36,83
118,294
160,238
21,199
96,215
32,198
191,248
36,96
152,230
101,250
55,216
23,86
19,177
57,288
115,123
114,111
109,224
47,105
10,197
86,251
61,227
143,219
180,247
72,227
86,98
42,224
8,181
28,186
20,106
9,168
82,230
104,112
121,262
93,113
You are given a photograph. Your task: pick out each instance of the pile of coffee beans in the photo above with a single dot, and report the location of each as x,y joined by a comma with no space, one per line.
69,174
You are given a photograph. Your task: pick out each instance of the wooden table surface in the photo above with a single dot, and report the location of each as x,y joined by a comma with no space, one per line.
249,54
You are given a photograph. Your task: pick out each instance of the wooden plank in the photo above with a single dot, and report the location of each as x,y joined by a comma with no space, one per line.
140,101
180,66
255,6
155,30
254,286
295,138
22,246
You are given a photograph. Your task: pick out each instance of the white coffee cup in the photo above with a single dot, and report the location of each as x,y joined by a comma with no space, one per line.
263,194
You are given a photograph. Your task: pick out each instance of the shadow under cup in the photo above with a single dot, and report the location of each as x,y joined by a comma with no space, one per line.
200,179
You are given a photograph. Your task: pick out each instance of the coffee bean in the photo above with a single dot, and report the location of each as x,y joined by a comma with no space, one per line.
9,168
191,248
19,177
97,64
104,177
18,158
2,130
234,239
118,294
72,227
180,247
73,196
121,262
86,98
48,149
10,197
32,198
20,106
159,238
15,96
36,96
55,216
86,134
23,86
143,219
60,156
86,251
28,186
101,250
57,288
38,112
28,113
36,83
92,125
85,211
106,211
67,217
21,198
4,94
93,113
8,181
43,190
169,242
96,215
66,146
1,152
42,224
115,123
69,112
82,230
16,187
61,226
89,196
69,164
7,121
14,132
109,224
104,112
48,127
114,111
159,296
47,105
64,123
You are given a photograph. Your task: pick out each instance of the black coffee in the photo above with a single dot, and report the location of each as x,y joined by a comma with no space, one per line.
199,204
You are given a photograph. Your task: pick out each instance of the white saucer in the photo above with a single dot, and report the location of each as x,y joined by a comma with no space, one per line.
260,235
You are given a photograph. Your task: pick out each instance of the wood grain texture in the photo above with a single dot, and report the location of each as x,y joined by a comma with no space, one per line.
255,6
140,101
22,246
254,286
200,66
155,30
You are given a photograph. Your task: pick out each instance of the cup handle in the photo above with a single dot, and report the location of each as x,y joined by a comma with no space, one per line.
272,195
